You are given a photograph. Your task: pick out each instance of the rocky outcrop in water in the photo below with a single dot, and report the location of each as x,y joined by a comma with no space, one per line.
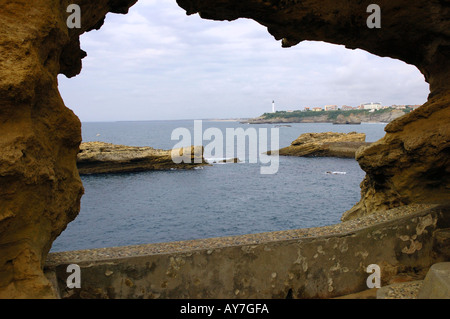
101,158
326,144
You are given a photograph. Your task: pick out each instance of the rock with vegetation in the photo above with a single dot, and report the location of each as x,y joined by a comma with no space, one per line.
336,117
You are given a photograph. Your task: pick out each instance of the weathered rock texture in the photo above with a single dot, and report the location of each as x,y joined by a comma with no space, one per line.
326,144
39,137
351,119
40,188
101,158
437,282
411,163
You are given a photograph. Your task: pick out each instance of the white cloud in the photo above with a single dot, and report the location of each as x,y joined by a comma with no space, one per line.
194,68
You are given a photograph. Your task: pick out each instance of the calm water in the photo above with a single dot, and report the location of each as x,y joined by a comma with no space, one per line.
221,200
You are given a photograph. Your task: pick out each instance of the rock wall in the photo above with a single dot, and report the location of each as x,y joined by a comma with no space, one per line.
411,163
39,137
40,188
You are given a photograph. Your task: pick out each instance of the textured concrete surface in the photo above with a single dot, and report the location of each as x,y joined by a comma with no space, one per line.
323,262
404,290
437,282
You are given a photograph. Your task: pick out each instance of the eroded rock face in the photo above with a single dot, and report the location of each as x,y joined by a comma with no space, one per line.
411,163
40,188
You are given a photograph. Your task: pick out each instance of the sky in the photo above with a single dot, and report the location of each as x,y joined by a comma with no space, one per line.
157,63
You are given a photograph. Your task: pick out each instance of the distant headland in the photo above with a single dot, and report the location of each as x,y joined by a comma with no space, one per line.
335,116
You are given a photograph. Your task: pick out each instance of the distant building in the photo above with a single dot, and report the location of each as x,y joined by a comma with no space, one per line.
371,106
317,109
399,107
346,108
331,107
307,109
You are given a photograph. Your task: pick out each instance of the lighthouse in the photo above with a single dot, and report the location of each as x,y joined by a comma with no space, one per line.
273,106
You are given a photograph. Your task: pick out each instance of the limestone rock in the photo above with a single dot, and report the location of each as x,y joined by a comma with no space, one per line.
436,284
411,164
100,158
326,144
40,189
351,119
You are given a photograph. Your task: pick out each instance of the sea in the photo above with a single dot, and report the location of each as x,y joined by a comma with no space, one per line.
213,201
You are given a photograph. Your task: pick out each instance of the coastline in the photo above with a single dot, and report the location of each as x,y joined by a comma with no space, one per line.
334,117
227,120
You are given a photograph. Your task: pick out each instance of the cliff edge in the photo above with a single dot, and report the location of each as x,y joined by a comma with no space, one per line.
335,117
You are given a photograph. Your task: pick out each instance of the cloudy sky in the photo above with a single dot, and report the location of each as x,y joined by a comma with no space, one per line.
156,63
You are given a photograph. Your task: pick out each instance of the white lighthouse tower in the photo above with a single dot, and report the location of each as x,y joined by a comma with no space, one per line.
273,106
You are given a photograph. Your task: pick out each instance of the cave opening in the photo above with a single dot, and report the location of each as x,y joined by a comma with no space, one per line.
155,69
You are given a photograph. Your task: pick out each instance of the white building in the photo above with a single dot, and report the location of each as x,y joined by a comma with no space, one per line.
371,106
331,107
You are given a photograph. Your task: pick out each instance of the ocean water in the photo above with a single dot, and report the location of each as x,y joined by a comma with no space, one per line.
218,200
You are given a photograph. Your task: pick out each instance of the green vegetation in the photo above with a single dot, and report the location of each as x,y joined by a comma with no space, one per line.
332,115
284,114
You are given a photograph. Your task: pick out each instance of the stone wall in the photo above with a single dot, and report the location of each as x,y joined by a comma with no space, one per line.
323,262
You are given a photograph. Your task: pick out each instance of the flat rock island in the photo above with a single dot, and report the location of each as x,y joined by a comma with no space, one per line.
101,158
326,144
